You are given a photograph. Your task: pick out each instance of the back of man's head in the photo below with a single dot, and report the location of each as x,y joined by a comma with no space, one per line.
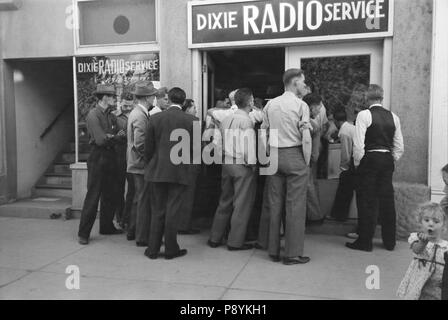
374,93
242,97
312,99
162,92
290,74
177,95
340,115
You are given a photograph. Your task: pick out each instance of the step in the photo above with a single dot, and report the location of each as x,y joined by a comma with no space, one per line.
37,207
52,191
60,168
70,157
56,179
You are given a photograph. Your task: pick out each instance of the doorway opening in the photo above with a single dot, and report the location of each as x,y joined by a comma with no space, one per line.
260,70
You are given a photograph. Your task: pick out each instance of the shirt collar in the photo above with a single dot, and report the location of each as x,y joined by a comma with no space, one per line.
376,105
289,93
143,108
176,105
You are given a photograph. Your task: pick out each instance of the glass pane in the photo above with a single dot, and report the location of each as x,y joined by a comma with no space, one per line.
117,21
336,79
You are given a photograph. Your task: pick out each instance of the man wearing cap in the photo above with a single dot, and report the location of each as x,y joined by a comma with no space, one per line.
101,165
144,94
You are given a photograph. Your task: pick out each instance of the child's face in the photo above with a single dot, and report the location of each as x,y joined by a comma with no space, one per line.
432,224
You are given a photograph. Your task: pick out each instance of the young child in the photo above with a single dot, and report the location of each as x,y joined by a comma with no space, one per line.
424,278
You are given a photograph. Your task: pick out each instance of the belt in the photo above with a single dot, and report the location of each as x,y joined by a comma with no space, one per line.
379,150
293,147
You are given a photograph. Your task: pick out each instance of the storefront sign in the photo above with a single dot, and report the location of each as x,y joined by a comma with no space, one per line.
251,22
121,70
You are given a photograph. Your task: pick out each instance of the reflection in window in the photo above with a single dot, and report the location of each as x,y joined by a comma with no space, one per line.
339,80
117,21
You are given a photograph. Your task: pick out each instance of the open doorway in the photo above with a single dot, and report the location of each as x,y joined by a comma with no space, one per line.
260,70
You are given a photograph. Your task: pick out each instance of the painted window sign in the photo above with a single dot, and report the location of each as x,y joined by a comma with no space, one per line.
123,71
242,22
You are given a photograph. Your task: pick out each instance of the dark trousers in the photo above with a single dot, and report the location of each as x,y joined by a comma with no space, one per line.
185,220
313,211
376,198
121,186
255,217
166,207
140,220
101,185
344,195
126,215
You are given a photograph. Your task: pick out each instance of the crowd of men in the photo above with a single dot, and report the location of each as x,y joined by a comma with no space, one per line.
159,200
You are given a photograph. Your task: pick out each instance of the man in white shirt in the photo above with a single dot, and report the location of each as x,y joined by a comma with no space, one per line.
238,182
378,144
346,187
288,116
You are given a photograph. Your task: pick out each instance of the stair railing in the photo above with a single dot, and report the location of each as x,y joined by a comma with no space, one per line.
56,119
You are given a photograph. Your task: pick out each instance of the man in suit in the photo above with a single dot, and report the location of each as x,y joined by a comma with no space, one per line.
101,166
169,180
138,230
378,143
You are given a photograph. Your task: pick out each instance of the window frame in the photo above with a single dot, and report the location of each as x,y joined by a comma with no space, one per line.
113,48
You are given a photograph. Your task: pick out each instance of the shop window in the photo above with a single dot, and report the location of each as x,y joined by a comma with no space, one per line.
339,80
117,22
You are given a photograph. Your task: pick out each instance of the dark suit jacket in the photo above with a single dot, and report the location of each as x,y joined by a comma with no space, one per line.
160,167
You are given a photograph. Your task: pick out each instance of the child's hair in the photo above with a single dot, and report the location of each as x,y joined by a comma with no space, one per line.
445,168
431,208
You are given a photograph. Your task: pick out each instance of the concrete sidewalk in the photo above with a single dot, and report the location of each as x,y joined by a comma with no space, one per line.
34,255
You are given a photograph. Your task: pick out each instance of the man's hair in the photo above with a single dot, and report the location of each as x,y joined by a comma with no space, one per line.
188,103
431,208
340,115
374,93
177,95
242,97
100,96
312,99
162,92
291,74
232,96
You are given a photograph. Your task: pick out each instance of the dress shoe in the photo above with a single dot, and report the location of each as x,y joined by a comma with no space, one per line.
245,246
151,256
189,231
83,241
352,235
113,231
275,258
297,260
179,253
356,246
212,244
389,248
141,244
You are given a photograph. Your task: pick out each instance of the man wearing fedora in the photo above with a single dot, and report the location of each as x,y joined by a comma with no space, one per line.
144,94
101,165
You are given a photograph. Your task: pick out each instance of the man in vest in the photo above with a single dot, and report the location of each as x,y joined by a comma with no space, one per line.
378,143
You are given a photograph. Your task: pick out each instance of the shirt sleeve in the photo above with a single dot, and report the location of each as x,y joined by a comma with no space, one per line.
95,129
363,121
250,156
398,148
346,151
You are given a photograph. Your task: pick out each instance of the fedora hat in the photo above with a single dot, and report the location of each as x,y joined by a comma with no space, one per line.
144,89
105,89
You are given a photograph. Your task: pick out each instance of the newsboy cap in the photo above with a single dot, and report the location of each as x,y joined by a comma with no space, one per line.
105,89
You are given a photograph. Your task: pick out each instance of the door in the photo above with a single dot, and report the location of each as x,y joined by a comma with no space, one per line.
208,83
338,72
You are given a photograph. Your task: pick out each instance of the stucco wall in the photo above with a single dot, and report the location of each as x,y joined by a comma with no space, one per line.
37,29
175,58
411,70
46,89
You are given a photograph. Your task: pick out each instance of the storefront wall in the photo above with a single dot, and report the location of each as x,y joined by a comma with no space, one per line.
43,30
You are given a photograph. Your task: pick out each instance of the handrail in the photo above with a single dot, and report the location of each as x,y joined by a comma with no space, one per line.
51,125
